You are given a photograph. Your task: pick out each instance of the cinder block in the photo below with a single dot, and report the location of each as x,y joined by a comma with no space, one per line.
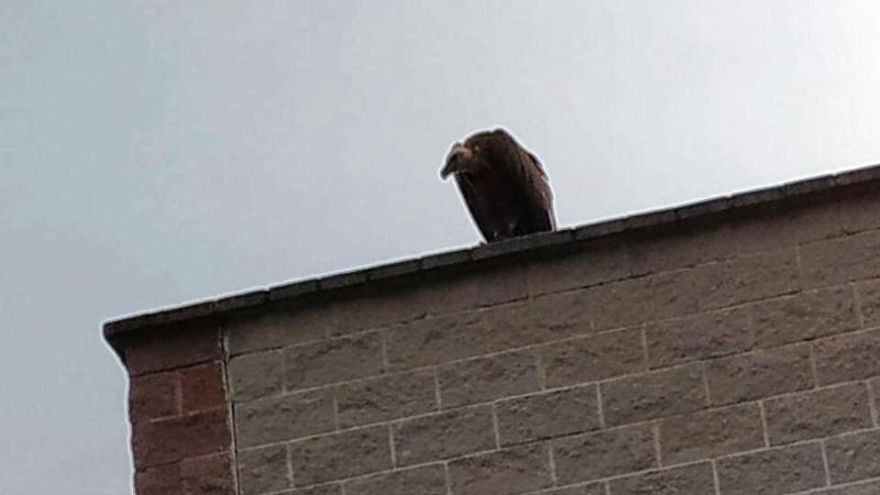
746,278
487,379
644,299
654,395
256,375
762,275
263,470
546,319
694,479
176,347
710,434
548,415
158,480
154,396
287,417
385,398
699,337
279,326
854,457
792,225
376,306
868,294
202,387
604,454
593,265
436,340
771,472
514,470
332,361
816,414
760,374
593,358
859,212
425,480
840,260
848,357
172,440
805,316
481,286
211,475
695,246
340,455
444,435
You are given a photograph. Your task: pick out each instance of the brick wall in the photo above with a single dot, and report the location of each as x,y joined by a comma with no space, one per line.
735,352
181,431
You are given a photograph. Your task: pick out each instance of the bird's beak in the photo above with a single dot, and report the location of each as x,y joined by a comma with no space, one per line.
458,155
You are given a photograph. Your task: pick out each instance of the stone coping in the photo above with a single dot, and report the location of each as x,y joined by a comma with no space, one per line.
712,209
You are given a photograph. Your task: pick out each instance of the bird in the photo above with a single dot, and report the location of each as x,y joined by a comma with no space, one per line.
503,185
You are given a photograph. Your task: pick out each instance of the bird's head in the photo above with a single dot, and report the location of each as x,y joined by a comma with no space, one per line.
459,160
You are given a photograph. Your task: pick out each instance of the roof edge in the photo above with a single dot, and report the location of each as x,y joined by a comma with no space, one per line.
116,328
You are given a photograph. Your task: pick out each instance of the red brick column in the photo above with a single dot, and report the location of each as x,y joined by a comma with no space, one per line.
179,413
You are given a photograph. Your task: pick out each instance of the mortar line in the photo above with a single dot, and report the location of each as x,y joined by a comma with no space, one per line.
383,349
230,407
825,463
706,384
764,423
715,478
284,388
438,398
800,267
600,406
335,411
552,464
872,403
288,455
814,368
495,425
447,478
857,302
542,375
655,432
391,446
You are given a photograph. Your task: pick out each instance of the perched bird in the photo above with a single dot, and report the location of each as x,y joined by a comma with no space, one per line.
503,184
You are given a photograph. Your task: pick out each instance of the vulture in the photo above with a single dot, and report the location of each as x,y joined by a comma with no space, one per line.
503,184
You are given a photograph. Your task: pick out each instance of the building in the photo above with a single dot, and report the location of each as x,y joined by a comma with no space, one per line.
728,347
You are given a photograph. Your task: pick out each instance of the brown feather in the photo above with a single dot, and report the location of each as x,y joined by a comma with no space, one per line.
506,188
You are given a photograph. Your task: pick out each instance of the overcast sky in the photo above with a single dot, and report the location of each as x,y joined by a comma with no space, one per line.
154,152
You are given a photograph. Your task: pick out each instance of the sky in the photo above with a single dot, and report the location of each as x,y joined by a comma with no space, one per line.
154,152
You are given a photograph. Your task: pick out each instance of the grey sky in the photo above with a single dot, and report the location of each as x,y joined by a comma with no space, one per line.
155,151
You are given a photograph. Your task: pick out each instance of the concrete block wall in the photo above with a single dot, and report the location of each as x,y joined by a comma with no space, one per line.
736,352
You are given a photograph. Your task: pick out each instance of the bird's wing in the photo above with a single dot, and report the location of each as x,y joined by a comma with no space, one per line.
475,206
527,179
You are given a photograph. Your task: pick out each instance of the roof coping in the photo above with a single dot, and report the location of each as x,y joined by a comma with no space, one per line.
724,206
